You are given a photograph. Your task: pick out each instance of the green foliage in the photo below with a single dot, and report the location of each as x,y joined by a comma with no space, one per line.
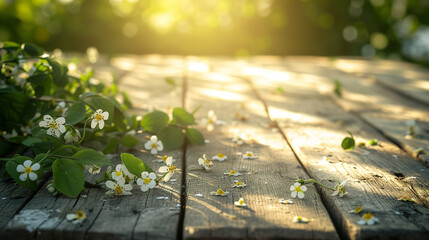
373,142
337,88
170,81
194,136
128,141
69,178
76,113
155,121
135,165
91,157
348,143
180,116
171,137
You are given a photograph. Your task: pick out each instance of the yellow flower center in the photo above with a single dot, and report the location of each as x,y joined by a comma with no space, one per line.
238,183
147,180
367,216
358,209
60,111
53,125
208,161
221,155
342,190
298,189
220,191
127,179
28,170
164,158
98,117
118,190
118,174
241,201
154,145
80,214
232,172
210,121
172,167
249,154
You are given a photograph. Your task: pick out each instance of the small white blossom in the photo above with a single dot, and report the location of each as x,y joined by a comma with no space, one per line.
147,181
118,188
55,127
163,159
210,121
238,184
298,189
154,145
219,192
299,219
76,218
240,203
26,169
94,169
368,219
168,170
72,136
340,190
232,173
98,118
249,155
205,162
220,157
117,174
358,209
238,138
122,172
284,201
412,128
61,109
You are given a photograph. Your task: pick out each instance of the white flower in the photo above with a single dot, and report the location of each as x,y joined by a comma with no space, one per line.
209,121
219,157
164,159
55,128
98,118
27,169
147,181
205,162
219,192
72,136
61,108
93,54
122,172
298,189
299,219
94,169
284,201
154,145
238,184
168,170
240,203
232,173
249,155
117,174
340,190
368,219
238,138
118,188
51,188
129,177
412,128
76,218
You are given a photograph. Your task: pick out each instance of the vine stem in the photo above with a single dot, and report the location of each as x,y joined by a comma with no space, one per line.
84,131
302,181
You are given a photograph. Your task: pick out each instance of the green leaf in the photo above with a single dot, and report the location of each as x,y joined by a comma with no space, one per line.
111,146
171,137
337,88
92,157
127,101
194,136
75,113
31,140
69,177
155,121
373,142
32,49
128,141
135,165
180,116
170,81
10,45
59,73
348,143
119,119
38,79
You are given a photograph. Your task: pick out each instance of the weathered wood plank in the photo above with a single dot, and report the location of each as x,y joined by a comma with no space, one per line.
375,180
268,177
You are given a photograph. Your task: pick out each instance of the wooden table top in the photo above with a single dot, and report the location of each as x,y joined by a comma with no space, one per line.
287,112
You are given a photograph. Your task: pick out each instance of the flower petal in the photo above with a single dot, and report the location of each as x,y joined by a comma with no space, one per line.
32,176
110,184
301,195
57,133
154,139
128,187
139,181
43,124
297,184
62,128
101,124
292,188
121,182
153,151
23,177
168,176
151,184
148,145
303,188
152,175
361,222
48,118
160,146
20,168
27,163
105,115
50,131
144,188
93,123
71,216
60,120
163,169
293,194
169,161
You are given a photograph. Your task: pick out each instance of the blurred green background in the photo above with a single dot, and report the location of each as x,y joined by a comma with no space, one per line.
395,29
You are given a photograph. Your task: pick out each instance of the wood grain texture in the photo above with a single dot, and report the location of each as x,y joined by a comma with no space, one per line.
268,177
376,178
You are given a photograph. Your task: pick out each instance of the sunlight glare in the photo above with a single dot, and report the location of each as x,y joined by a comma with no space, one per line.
198,66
